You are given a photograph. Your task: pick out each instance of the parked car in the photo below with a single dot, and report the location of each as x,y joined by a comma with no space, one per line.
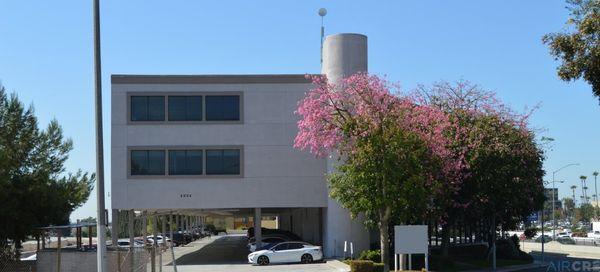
266,241
283,235
124,243
265,231
564,234
32,257
159,239
543,239
177,239
287,252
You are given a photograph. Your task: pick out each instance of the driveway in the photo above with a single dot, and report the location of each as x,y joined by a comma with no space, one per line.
229,254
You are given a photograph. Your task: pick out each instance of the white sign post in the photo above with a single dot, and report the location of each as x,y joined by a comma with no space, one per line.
410,240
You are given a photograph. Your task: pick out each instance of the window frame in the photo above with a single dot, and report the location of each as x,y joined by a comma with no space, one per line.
146,149
168,113
166,95
220,149
147,95
168,152
203,148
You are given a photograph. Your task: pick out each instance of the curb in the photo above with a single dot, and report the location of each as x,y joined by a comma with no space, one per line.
339,266
514,268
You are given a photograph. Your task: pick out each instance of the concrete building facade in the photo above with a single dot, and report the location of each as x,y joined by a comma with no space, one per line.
224,144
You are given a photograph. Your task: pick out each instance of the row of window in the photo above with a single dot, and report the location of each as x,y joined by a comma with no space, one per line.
193,162
184,108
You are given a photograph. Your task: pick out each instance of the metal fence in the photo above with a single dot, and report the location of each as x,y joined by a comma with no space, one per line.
10,263
139,259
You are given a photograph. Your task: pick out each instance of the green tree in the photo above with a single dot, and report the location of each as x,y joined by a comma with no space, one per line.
34,191
569,206
585,213
391,149
579,47
503,182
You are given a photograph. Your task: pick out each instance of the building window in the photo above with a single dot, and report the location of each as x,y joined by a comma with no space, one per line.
222,107
185,108
223,162
147,108
185,162
147,162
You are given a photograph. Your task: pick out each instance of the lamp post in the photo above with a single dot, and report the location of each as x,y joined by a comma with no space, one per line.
101,215
553,197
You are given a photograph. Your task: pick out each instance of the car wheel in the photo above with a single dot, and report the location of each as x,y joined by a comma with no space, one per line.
262,260
306,258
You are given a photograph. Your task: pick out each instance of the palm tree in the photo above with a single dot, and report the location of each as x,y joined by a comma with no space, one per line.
573,187
583,188
595,187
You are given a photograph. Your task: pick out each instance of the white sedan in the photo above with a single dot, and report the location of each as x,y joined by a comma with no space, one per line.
287,252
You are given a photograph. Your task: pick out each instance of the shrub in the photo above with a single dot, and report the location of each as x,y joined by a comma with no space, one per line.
566,240
370,255
506,249
377,267
530,232
515,239
361,266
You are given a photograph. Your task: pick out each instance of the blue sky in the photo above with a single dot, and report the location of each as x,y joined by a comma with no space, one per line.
46,57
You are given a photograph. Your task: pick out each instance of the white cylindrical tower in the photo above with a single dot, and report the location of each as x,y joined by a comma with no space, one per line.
343,55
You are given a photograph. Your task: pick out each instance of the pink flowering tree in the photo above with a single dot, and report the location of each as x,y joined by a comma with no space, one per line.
501,179
392,151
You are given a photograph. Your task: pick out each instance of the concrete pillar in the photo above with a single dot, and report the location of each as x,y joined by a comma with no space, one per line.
164,229
155,243
343,56
257,227
115,227
144,227
130,229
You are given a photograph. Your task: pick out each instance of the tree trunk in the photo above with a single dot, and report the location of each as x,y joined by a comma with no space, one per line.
384,221
18,247
445,240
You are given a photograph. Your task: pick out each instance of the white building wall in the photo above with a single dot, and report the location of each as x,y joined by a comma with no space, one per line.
274,173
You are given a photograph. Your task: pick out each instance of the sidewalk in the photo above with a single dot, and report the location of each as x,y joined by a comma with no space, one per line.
589,252
524,267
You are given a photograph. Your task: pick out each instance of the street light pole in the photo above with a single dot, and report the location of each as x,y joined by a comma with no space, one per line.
553,200
101,215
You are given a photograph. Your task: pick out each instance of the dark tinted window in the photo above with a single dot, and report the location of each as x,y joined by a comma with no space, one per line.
147,162
185,108
273,240
295,246
222,108
185,162
223,162
147,108
283,246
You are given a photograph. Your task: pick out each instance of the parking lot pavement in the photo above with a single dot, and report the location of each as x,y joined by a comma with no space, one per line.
229,254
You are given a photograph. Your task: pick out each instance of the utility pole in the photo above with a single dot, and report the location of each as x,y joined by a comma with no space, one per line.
101,215
553,199
322,13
